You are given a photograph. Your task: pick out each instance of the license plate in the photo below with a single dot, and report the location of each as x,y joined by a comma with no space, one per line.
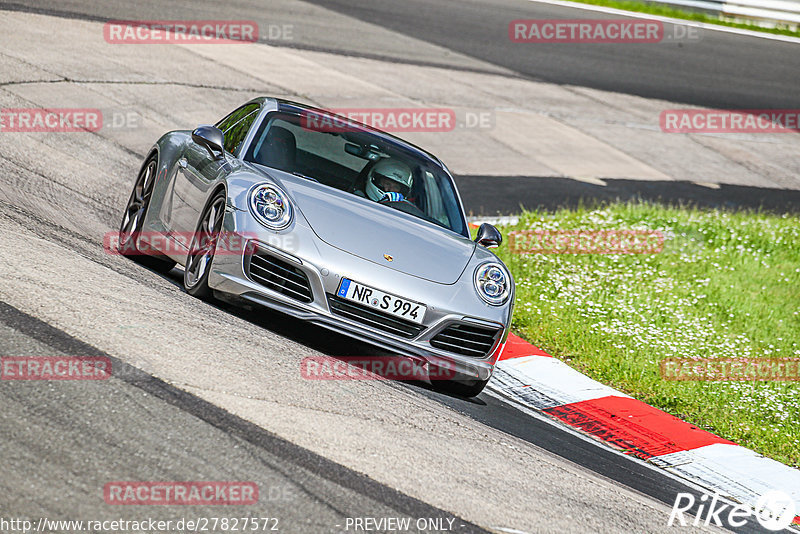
385,302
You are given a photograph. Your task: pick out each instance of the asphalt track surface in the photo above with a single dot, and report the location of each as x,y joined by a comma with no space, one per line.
140,428
175,436
720,70
229,445
705,73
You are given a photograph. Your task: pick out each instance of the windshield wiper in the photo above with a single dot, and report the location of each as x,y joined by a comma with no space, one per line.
301,175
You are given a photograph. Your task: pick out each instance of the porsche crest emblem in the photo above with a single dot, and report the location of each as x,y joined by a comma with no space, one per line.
388,258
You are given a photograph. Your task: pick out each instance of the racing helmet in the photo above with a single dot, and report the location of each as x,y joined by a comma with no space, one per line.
388,176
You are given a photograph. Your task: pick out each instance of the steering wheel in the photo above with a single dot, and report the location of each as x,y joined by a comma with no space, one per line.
404,206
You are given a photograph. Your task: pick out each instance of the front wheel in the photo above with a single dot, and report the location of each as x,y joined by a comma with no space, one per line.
203,248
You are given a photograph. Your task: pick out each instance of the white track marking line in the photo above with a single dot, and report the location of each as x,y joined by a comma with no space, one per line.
510,530
540,373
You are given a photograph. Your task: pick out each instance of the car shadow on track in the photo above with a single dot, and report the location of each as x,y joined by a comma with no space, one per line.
317,338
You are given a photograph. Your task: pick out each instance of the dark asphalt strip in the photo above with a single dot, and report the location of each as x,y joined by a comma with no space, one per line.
490,195
38,10
229,423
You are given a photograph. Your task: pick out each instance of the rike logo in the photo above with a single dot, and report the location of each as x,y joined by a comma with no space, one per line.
775,510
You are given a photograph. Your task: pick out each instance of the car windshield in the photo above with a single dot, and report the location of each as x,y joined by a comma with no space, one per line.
349,158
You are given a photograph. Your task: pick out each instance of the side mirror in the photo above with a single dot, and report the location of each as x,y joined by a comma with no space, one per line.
489,236
211,138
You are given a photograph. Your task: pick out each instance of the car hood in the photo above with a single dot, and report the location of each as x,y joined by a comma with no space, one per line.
371,231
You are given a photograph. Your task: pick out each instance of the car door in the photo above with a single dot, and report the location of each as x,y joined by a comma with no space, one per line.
198,171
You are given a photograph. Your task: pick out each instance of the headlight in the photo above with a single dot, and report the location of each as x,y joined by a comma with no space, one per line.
493,283
270,206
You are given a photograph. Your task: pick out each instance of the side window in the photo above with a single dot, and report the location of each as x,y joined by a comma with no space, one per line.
235,116
236,133
330,147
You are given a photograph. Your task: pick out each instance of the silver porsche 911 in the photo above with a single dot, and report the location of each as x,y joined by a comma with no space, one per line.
344,226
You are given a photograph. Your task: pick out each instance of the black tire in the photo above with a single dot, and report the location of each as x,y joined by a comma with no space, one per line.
133,220
468,389
203,248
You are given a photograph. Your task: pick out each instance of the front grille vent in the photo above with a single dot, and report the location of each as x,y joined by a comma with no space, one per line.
374,318
466,339
279,276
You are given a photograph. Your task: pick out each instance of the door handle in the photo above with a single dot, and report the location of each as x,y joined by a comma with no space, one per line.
183,163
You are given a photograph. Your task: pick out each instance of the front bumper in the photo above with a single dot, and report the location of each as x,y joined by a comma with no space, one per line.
324,266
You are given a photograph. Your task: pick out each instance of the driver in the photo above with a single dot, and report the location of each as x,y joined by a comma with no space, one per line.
389,180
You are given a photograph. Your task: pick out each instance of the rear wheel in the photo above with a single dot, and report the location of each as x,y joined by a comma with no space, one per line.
133,220
203,248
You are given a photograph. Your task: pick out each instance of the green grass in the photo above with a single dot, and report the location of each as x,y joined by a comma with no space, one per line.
667,11
726,284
